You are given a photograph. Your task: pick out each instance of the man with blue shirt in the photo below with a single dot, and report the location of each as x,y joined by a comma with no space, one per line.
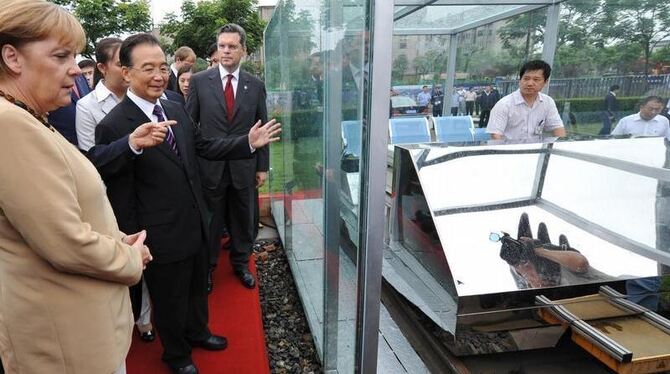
527,113
423,99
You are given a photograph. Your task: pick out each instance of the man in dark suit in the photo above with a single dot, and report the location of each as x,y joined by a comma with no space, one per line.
63,118
183,56
610,110
159,190
226,101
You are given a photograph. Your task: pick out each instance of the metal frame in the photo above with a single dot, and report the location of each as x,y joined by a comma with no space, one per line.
372,203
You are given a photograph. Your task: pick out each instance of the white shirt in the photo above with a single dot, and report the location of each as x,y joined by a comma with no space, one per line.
224,78
91,109
470,96
513,118
174,69
636,125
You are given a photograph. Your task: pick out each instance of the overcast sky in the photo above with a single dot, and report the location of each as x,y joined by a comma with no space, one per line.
159,8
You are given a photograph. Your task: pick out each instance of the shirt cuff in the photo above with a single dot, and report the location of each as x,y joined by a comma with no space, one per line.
135,151
251,148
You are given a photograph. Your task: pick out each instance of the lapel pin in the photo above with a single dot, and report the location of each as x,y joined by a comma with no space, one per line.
245,87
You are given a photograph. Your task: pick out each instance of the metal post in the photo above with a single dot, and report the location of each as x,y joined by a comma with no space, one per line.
550,36
451,73
332,145
373,181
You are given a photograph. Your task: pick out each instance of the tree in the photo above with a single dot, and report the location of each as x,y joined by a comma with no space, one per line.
199,22
399,67
641,22
104,18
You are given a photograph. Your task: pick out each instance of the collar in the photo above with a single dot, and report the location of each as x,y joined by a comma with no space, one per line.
224,73
145,106
173,67
613,93
518,98
102,92
638,118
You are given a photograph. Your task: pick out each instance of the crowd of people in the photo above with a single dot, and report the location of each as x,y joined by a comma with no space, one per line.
119,172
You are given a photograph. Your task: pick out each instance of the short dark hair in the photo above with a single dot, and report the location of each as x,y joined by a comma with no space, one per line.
212,49
236,29
104,51
651,98
536,65
614,87
86,64
125,53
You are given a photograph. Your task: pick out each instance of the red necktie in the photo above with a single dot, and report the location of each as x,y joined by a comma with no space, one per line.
230,97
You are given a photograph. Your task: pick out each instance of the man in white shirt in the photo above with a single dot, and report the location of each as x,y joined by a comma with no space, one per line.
423,99
527,112
647,122
470,97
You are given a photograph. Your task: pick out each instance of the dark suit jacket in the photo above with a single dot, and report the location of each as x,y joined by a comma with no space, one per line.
62,119
172,82
207,106
611,104
158,190
175,96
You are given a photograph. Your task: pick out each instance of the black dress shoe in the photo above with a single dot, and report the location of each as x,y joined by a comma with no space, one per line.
210,280
246,278
213,343
188,369
148,336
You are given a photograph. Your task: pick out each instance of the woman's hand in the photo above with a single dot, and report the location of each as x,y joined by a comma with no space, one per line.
137,242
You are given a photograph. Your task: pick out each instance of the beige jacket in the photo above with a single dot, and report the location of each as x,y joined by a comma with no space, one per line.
64,273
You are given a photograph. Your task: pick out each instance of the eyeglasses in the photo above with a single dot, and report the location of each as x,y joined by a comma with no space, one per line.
163,70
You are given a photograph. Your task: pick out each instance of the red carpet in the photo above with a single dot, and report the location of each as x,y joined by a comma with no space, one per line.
234,312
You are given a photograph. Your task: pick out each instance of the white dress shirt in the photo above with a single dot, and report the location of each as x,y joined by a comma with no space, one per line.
513,118
224,78
91,109
636,125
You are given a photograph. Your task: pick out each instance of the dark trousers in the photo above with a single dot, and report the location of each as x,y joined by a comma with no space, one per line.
454,110
237,208
607,124
179,294
484,118
469,108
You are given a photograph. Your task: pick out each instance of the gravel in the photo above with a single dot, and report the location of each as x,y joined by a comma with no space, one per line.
289,341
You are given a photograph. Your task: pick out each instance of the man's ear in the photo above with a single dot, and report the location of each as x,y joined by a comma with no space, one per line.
125,73
12,58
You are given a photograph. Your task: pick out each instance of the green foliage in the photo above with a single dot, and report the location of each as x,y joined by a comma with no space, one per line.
104,18
289,43
199,23
399,67
595,104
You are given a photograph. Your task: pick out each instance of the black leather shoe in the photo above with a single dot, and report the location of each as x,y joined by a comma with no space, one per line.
210,280
188,369
246,278
213,343
148,336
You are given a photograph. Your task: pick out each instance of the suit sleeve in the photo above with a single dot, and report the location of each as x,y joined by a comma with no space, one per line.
263,154
192,102
220,148
112,154
42,203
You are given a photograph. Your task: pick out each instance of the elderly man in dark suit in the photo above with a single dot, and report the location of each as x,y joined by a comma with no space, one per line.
226,101
159,189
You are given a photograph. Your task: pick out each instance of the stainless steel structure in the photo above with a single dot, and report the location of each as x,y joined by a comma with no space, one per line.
609,198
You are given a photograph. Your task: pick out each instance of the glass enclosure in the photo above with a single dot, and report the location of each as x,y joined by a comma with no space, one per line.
319,75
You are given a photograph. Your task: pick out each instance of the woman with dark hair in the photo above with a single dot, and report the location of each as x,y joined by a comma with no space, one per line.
184,74
109,90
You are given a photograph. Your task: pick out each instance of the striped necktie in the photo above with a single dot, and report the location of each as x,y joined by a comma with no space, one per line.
169,138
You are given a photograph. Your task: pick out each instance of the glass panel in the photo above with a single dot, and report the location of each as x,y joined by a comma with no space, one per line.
316,73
